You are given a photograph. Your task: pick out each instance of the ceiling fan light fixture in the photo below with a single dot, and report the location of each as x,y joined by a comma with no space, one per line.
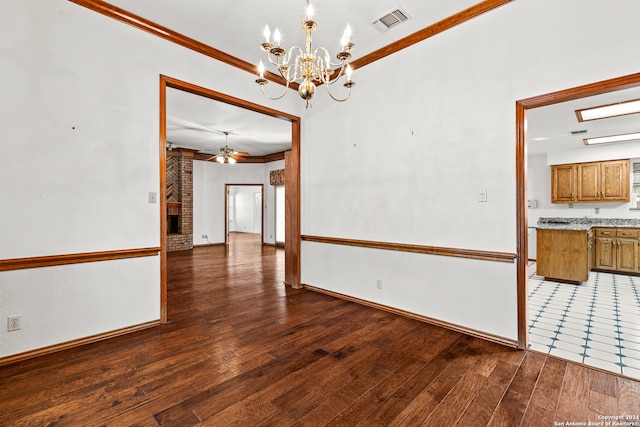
228,155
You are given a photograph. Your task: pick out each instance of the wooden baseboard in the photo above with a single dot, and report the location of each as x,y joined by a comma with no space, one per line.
274,245
446,325
204,245
75,343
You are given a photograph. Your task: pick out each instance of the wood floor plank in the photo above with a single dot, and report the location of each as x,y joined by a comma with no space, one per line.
513,405
454,404
574,394
240,348
628,397
482,407
544,402
413,387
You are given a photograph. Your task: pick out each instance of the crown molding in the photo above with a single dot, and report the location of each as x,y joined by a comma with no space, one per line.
122,15
249,159
144,24
430,31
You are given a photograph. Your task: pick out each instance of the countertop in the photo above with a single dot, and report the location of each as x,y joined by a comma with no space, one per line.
585,224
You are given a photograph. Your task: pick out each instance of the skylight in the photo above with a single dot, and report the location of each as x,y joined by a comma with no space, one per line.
613,138
611,110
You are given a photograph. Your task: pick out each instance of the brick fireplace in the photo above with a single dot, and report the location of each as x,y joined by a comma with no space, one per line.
179,200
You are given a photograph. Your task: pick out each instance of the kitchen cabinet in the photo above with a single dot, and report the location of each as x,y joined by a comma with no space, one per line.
590,182
617,249
564,255
563,183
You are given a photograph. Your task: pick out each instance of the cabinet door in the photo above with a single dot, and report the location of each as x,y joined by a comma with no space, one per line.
605,253
627,255
614,181
588,182
563,183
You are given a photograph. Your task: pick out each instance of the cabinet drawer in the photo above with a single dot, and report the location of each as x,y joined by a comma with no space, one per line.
627,232
605,232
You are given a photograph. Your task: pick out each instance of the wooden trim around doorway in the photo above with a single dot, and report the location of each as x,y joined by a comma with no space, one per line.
292,196
618,83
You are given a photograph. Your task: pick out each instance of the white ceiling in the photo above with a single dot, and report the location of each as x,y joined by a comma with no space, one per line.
549,128
235,27
199,123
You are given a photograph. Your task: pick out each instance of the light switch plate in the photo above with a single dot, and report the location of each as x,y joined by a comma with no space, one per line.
153,197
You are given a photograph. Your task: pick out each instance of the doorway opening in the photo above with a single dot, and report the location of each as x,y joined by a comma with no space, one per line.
292,169
244,207
522,108
279,204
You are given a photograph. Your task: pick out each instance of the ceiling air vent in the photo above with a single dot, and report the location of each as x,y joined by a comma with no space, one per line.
578,132
391,19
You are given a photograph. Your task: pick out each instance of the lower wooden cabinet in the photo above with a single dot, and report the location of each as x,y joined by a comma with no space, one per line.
563,255
617,249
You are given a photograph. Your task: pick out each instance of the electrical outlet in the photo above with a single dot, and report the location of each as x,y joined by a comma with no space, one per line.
379,283
13,323
482,195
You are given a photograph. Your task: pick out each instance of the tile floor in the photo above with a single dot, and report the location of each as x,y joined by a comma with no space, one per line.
596,323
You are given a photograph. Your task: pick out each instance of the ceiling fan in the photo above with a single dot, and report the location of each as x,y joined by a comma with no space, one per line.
226,154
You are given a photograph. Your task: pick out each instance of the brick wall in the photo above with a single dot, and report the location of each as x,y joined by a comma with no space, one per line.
180,189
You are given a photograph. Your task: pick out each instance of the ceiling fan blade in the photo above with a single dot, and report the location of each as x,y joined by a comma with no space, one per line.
241,153
235,156
212,157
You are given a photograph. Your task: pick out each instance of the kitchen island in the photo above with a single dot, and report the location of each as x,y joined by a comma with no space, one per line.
564,255
565,247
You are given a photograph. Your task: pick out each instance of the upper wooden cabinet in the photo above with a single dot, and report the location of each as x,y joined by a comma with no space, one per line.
563,183
590,182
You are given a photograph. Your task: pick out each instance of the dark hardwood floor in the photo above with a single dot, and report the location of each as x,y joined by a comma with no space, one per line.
241,349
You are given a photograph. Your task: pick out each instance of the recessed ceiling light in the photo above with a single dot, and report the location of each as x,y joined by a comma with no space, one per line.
611,110
613,138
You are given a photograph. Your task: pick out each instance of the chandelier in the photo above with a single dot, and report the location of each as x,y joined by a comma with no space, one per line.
307,67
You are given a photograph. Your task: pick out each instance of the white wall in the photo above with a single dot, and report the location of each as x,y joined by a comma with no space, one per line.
280,212
209,179
413,155
80,137
415,152
246,219
270,202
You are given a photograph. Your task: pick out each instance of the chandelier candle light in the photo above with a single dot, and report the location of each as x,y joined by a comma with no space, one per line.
308,66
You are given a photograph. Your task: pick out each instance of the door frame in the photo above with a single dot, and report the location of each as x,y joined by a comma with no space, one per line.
226,210
522,106
292,196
